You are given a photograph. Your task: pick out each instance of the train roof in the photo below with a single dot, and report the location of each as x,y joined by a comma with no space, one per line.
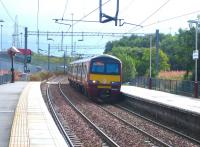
94,57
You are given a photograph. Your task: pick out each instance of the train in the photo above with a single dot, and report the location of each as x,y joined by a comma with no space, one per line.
98,77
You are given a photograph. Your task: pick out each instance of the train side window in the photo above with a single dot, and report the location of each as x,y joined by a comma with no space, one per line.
69,69
74,70
81,72
77,69
85,70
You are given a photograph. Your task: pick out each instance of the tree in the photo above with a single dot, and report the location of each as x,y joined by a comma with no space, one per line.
143,68
108,47
169,45
178,48
128,64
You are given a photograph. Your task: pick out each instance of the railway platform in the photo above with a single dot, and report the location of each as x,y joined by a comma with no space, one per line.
171,100
9,95
30,124
181,112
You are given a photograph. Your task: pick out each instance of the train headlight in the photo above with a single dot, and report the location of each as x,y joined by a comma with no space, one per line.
115,84
93,82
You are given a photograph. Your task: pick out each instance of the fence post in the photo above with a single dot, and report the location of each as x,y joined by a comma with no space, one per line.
196,89
150,83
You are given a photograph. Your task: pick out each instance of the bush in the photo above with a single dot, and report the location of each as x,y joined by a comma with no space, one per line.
40,76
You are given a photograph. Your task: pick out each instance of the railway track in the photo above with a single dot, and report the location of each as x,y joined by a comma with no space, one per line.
167,136
69,137
160,115
159,124
151,141
151,138
107,140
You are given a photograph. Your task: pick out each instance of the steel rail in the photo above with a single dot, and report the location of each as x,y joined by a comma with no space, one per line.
56,119
152,138
107,139
161,125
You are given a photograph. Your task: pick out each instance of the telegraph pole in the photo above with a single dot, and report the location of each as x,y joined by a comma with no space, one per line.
38,27
150,79
157,51
65,53
62,42
21,40
72,50
48,57
1,21
25,47
1,36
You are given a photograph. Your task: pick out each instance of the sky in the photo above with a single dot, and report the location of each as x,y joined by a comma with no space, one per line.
166,15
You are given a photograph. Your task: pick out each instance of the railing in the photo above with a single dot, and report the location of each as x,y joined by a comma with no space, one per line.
185,88
5,78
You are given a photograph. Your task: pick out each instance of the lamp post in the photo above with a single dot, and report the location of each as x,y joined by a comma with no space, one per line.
21,39
195,55
12,51
1,20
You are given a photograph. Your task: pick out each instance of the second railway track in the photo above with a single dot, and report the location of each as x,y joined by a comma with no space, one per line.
123,134
86,137
120,132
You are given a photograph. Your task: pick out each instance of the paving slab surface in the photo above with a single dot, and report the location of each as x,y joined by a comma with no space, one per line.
9,96
177,101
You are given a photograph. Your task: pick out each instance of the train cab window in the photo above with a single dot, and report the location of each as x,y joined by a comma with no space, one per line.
98,67
112,68
105,67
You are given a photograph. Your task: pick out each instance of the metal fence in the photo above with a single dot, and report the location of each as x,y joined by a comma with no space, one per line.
5,78
185,88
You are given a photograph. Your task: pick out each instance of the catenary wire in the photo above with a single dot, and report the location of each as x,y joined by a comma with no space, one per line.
65,9
127,7
150,15
169,19
7,11
91,12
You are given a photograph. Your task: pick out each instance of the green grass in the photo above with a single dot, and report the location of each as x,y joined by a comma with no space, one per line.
40,76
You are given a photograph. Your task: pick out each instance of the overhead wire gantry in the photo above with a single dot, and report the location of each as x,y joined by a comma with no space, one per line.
111,34
104,18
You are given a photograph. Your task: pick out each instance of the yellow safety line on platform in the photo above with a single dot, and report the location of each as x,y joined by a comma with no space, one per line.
19,133
33,126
